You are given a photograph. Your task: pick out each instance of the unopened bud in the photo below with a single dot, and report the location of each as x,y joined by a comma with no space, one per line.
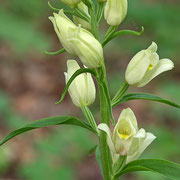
115,11
87,48
61,25
82,89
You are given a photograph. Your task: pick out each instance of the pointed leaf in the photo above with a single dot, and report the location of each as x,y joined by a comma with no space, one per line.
53,8
98,158
163,167
122,32
55,53
144,96
51,121
77,73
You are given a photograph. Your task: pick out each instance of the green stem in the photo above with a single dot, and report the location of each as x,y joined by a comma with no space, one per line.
87,113
109,33
93,22
104,150
81,14
119,165
122,32
121,92
100,8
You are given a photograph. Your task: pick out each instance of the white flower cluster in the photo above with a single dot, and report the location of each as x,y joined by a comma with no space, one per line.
77,40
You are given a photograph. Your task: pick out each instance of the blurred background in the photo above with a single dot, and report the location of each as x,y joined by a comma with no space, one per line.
31,82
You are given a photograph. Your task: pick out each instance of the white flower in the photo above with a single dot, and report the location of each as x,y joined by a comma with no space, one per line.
115,11
80,21
127,139
82,89
87,48
61,25
145,66
71,3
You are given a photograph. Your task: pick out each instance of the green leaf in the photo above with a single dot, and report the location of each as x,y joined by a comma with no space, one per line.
55,53
120,92
77,73
53,8
109,34
122,32
51,121
163,167
144,96
98,158
129,32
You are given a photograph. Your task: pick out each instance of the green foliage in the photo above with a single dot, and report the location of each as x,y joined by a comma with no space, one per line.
20,29
144,96
98,158
51,121
162,167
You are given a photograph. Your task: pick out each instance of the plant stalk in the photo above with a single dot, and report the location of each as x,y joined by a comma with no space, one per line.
87,113
105,118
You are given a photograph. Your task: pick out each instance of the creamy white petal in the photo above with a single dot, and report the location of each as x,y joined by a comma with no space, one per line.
124,131
143,144
105,128
153,47
138,138
88,49
153,60
91,89
82,89
61,24
162,66
115,11
128,115
137,67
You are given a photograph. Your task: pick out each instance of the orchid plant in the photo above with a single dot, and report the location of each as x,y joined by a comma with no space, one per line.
78,32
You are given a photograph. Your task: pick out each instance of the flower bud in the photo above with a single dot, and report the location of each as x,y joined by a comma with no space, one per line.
80,21
61,25
115,11
71,3
127,140
82,89
146,65
87,48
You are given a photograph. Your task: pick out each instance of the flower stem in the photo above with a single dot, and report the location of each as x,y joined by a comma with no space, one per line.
93,22
87,113
104,150
100,9
121,92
